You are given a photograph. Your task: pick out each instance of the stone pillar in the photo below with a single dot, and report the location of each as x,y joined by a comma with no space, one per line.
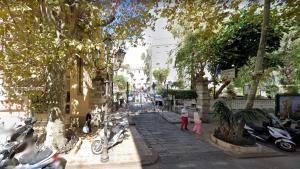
203,100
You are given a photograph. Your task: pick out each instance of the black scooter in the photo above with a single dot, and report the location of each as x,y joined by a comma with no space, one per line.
23,132
8,151
294,132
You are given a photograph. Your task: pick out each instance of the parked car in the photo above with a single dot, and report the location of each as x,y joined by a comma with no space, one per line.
131,97
158,100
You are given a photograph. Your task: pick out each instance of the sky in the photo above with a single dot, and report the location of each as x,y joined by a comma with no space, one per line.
133,56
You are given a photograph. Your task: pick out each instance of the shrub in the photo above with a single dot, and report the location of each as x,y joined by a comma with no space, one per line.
231,125
182,94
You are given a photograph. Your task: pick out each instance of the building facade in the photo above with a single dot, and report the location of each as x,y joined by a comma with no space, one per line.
161,46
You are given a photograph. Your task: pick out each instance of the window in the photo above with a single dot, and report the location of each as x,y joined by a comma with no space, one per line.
68,101
80,78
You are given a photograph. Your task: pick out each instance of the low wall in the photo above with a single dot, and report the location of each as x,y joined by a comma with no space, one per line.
234,104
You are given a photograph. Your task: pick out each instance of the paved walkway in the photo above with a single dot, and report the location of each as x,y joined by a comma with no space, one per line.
183,150
132,153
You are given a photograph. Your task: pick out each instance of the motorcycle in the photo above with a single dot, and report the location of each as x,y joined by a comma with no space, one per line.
23,132
42,159
115,134
293,131
272,131
8,151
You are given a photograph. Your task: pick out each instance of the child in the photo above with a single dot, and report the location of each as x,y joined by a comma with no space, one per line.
184,118
197,121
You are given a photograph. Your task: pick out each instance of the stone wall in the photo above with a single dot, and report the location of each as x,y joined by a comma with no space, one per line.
203,100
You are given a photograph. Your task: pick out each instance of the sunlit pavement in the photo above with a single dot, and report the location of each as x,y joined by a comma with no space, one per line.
180,149
124,155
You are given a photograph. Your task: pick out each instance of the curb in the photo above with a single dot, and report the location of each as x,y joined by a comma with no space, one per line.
258,151
141,144
153,159
76,147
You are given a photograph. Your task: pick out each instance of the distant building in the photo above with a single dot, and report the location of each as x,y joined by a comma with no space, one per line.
135,76
161,43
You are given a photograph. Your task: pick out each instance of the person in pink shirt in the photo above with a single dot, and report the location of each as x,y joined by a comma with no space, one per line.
197,121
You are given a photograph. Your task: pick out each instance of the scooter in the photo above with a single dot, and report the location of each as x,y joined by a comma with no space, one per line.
23,132
293,131
271,132
8,151
41,159
115,134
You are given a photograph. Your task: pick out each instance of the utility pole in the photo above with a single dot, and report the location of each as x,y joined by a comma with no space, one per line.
104,155
168,95
127,93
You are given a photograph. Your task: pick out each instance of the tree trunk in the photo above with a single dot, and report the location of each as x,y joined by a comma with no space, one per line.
55,130
220,90
193,82
258,71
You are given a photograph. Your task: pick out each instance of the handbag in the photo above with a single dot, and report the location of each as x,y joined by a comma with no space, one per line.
85,128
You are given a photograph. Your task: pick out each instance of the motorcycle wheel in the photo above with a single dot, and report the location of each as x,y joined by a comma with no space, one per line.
97,147
286,146
121,137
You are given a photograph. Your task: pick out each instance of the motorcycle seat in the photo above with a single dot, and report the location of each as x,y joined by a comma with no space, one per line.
33,158
257,128
294,131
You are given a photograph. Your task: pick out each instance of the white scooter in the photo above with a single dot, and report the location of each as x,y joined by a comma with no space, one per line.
46,158
115,135
272,132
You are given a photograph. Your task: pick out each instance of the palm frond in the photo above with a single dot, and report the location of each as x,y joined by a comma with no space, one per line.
222,113
249,115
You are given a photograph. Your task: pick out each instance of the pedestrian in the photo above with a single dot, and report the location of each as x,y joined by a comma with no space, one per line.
197,121
184,118
88,119
160,105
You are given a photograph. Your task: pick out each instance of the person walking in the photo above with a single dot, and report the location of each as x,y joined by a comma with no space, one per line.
88,119
197,121
184,118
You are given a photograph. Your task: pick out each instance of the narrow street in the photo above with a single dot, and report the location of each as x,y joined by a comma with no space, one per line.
180,149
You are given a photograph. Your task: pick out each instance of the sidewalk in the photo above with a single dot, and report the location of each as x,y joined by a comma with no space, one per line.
132,153
173,118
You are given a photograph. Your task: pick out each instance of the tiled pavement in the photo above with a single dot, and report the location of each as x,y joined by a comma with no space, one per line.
183,150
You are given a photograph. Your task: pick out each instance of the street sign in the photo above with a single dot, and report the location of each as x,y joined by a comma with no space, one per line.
228,74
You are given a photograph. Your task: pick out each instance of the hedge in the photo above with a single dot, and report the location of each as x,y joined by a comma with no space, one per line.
182,94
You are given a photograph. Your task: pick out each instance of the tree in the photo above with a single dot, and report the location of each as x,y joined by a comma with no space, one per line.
258,71
203,19
121,82
237,42
205,15
41,40
147,64
192,55
161,75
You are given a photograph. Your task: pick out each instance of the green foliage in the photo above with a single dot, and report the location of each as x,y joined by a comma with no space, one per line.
121,82
193,54
183,94
41,40
160,90
229,123
38,100
161,75
238,38
292,89
178,84
147,64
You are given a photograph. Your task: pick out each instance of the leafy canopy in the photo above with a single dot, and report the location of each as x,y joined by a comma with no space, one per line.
161,75
41,40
